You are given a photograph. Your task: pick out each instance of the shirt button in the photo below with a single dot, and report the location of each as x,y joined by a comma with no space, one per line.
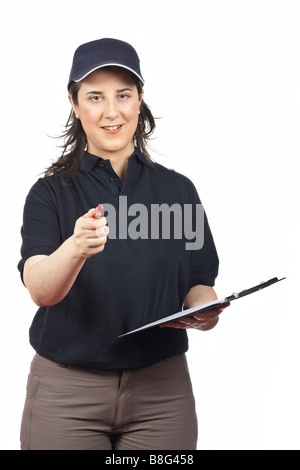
112,180
102,164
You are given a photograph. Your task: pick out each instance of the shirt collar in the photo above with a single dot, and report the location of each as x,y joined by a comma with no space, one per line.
89,160
141,156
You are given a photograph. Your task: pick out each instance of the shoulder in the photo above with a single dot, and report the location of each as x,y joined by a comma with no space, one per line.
171,174
54,181
172,178
44,188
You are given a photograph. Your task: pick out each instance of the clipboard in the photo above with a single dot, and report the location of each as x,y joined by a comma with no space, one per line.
205,307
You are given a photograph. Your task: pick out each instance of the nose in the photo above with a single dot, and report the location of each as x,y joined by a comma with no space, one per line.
111,110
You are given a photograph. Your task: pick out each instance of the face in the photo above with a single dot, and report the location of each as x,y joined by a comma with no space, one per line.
108,107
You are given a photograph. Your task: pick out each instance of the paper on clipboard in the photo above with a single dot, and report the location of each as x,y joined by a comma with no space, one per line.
205,307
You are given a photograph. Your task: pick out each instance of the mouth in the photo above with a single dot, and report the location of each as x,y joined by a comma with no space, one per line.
112,129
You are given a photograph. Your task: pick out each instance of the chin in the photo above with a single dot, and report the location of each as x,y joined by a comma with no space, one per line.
119,147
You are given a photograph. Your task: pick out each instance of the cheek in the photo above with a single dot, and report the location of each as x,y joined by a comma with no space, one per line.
132,114
88,116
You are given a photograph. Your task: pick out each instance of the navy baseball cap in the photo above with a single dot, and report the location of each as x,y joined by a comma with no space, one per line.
104,52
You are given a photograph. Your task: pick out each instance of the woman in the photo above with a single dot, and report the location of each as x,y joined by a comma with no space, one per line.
88,388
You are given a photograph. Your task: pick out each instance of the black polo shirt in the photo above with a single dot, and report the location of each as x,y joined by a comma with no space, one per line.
135,280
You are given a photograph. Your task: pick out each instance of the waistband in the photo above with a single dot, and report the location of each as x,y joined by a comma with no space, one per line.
173,366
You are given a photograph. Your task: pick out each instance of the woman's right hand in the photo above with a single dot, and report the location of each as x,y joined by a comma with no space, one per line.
90,234
50,277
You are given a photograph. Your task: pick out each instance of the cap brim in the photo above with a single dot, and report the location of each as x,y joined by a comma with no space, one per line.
78,79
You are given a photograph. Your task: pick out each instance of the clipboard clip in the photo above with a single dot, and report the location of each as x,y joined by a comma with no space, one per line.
260,286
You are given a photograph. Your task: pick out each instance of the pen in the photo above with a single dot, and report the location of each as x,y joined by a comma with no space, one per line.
99,212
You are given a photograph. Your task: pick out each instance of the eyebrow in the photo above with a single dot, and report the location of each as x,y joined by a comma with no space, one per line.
101,92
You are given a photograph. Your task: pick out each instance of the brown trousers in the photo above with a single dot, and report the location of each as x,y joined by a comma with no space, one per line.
68,408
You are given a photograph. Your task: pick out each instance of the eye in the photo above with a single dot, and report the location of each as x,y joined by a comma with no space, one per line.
124,96
96,98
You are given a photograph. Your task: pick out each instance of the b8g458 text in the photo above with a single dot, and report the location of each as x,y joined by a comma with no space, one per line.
170,459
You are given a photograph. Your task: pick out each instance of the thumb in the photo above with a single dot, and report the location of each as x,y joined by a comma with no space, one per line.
90,213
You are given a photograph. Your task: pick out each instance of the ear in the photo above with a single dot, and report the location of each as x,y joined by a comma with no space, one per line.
141,96
74,106
140,100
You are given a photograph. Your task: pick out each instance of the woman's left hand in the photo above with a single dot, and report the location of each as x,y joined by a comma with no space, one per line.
199,321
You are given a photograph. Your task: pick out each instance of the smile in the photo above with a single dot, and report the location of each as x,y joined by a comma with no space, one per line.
112,129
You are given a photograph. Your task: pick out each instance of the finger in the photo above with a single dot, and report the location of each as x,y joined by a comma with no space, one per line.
101,222
185,322
89,223
209,325
205,317
94,242
92,246
191,322
173,324
201,325
90,214
213,313
223,306
102,231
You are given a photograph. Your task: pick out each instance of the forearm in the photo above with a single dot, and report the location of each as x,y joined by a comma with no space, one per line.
199,295
49,278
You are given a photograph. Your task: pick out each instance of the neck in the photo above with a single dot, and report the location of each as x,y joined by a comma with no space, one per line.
119,160
120,166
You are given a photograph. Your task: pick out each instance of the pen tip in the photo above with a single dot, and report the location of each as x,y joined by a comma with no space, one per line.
99,211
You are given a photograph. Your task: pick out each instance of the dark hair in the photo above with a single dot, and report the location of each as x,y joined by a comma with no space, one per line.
75,139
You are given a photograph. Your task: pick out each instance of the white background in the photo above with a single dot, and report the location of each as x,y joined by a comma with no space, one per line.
224,77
